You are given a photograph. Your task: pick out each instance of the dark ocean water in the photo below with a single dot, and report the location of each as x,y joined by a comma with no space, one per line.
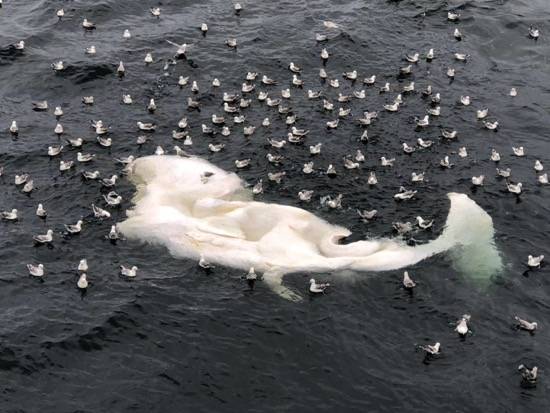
175,339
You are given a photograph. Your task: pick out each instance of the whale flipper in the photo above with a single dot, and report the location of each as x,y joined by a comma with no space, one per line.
274,279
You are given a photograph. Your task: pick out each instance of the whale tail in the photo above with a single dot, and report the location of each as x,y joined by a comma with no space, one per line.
469,239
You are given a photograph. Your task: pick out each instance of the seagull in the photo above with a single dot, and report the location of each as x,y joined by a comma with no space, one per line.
112,198
109,182
406,70
461,56
534,262
258,188
495,156
74,228
434,111
369,80
528,375
408,282
82,282
526,325
90,50
277,144
404,194
276,177
54,150
349,164
83,265
402,227
126,34
36,270
293,68
90,175
204,28
40,105
514,188
182,49
155,11
317,288
513,92
427,91
359,157
462,152
251,277
412,58
100,213
424,143
87,157
451,72
538,166
462,325
393,107
305,195
446,163
60,13
113,233
41,212
58,66
13,128
44,239
331,170
478,180
424,224
10,215
372,180
430,55
182,81
482,113
243,163
505,173
324,54
366,216
231,43
330,25
490,125
432,350
425,121
518,151
386,162
238,8
307,168
465,100
58,129
543,179
407,148
21,179
148,127
331,202
65,166
452,16
457,34
534,33
333,124
128,272
28,187
268,81
88,25
417,177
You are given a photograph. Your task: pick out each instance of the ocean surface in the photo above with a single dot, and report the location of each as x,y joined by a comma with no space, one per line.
176,339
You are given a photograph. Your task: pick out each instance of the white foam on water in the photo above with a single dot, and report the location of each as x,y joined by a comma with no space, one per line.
218,218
